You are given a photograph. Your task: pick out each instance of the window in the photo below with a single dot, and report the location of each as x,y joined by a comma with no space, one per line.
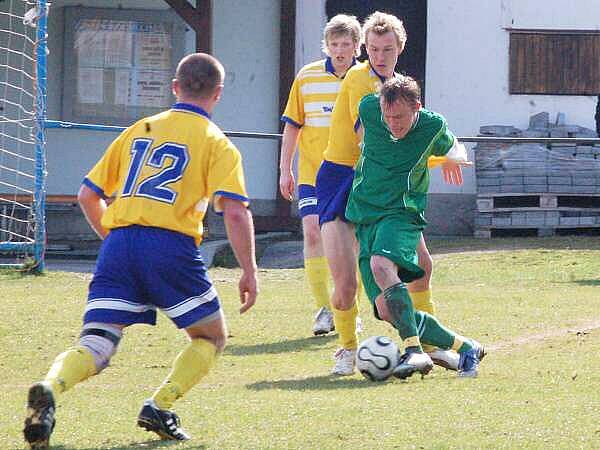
553,62
119,63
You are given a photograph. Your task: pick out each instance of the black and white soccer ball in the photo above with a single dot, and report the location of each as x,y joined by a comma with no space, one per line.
377,357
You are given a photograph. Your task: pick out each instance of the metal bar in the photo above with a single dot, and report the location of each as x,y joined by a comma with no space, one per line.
40,138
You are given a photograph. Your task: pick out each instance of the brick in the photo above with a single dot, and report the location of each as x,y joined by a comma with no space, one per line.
484,204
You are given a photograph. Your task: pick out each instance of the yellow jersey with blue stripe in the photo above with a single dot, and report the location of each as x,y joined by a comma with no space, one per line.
164,169
309,107
343,146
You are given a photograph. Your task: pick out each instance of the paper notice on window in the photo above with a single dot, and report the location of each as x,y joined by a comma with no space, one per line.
90,85
151,89
89,44
118,45
122,87
153,51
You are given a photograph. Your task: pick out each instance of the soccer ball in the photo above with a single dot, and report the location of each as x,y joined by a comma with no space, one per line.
377,357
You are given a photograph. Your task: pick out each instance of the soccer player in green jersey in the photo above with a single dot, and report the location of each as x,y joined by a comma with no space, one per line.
386,204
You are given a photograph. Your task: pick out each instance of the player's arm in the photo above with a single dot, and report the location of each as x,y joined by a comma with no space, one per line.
456,158
289,143
93,206
240,232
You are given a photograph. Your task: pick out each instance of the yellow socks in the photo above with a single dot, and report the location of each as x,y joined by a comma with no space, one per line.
345,324
193,363
69,368
422,301
317,276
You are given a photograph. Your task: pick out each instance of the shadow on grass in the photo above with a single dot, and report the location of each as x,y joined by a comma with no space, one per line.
321,383
586,282
144,444
303,344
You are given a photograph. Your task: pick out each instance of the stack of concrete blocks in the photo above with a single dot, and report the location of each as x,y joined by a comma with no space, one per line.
537,186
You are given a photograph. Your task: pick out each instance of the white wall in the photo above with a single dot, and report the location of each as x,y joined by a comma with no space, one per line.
246,40
310,21
467,63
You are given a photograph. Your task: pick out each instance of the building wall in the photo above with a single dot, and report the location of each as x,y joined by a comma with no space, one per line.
250,100
467,64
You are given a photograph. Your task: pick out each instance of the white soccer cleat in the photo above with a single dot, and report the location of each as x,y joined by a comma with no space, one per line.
411,363
345,361
323,322
445,358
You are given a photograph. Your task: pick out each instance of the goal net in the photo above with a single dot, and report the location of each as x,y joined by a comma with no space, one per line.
22,142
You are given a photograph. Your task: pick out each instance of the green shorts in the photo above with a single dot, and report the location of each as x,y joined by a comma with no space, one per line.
396,238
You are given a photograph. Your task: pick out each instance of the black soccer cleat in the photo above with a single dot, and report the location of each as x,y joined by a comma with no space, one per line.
162,422
40,421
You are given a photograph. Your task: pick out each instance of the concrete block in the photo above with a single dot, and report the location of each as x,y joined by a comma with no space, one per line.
552,218
569,221
519,218
487,189
488,181
535,180
485,204
512,180
501,221
499,130
559,180
548,201
591,220
483,220
540,120
585,181
538,188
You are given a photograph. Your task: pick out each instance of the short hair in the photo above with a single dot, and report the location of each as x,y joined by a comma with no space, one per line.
341,25
381,23
199,74
401,87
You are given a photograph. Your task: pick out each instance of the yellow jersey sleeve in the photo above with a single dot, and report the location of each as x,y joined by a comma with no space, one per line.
226,174
294,109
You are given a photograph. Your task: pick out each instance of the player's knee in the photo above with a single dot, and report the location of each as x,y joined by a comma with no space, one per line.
383,271
312,235
426,263
101,340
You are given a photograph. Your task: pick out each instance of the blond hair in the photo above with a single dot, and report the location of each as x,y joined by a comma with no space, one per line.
341,25
199,74
381,23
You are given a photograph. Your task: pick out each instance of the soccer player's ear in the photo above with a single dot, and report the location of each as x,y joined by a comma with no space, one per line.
175,87
217,93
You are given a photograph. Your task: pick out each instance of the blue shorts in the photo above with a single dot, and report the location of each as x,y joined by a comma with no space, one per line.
140,269
307,201
334,182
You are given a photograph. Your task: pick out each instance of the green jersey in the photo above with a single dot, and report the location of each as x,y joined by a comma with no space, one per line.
391,176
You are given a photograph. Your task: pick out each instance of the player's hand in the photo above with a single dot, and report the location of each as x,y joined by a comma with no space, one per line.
248,287
452,171
286,185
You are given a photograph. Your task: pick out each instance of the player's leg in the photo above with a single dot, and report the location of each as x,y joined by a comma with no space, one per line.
316,268
434,333
207,341
333,187
420,293
338,243
177,282
111,306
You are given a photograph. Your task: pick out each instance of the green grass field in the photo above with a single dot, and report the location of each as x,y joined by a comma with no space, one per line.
535,303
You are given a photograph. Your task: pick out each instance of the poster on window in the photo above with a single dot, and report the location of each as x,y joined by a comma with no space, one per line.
90,85
153,51
150,89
